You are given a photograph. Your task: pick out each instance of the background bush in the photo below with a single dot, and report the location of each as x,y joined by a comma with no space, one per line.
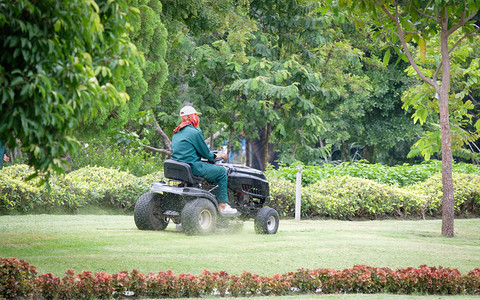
87,186
400,175
346,197
466,194
333,196
15,192
109,155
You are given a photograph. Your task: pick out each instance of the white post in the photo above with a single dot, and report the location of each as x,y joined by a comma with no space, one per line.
298,193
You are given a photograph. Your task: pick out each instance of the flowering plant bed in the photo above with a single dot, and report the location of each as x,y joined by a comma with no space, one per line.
19,279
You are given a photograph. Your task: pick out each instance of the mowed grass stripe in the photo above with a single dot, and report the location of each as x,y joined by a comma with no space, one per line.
106,243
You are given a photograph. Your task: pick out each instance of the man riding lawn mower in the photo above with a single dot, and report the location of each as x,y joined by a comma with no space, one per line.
198,191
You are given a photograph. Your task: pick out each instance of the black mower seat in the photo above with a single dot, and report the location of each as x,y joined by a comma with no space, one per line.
176,170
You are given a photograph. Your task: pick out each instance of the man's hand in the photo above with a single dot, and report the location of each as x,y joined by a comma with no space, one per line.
6,158
222,156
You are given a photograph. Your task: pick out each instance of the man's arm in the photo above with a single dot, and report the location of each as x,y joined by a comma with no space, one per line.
202,147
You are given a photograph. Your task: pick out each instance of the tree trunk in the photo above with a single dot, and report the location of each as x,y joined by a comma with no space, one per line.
369,153
266,138
71,166
229,145
447,180
212,138
345,151
165,140
294,151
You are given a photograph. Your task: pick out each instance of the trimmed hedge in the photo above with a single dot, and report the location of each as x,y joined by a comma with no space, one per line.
466,194
348,197
19,279
338,197
345,197
87,186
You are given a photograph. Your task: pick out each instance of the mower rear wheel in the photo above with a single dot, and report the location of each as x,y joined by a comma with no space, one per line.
148,212
199,217
266,221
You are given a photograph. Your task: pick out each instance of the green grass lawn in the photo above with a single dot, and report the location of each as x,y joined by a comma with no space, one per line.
56,243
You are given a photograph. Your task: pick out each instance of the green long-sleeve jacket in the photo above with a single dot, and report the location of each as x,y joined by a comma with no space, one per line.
188,145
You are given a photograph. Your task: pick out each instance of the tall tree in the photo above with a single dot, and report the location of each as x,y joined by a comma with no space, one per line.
145,79
61,63
463,89
281,81
204,55
304,65
409,24
274,72
381,130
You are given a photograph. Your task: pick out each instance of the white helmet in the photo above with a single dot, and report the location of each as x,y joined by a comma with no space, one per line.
188,110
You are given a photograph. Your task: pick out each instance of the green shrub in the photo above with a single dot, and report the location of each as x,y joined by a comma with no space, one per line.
133,161
15,192
466,194
400,175
98,185
345,197
87,186
341,197
153,177
282,196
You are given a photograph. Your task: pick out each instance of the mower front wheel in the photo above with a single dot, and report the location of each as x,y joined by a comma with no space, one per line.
266,221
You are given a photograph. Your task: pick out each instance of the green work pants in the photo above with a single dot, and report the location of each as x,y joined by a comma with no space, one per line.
214,174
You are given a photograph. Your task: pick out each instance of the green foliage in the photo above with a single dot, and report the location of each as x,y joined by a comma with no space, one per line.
348,197
150,37
101,186
375,191
361,108
334,194
283,78
96,186
200,16
422,98
17,193
144,83
292,72
345,197
282,192
399,175
466,194
386,130
445,77
281,68
205,49
108,155
61,65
